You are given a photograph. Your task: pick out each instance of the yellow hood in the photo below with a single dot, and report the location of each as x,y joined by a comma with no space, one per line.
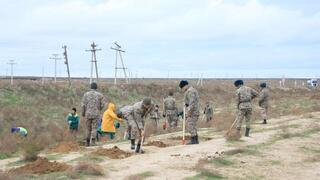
111,107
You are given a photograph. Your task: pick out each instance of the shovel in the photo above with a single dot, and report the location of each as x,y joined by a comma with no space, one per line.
184,126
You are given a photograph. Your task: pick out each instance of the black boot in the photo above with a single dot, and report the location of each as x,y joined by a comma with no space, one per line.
133,144
196,139
247,132
138,150
88,142
264,121
192,141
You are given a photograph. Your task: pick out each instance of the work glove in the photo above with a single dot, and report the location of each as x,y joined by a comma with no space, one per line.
163,115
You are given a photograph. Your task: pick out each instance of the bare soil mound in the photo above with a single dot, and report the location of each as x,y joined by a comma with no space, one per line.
40,166
113,153
65,147
159,144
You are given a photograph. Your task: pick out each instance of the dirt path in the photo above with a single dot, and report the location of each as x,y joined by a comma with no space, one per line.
178,162
287,147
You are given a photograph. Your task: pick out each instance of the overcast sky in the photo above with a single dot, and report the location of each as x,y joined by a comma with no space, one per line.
175,38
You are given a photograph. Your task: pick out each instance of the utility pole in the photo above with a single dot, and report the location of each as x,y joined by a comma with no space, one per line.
42,81
55,58
66,62
118,50
200,80
11,63
93,60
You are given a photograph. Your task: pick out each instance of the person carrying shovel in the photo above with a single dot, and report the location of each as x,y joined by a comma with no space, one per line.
192,106
244,96
140,110
170,110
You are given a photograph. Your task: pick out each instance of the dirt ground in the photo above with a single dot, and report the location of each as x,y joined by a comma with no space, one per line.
113,153
65,147
159,144
285,148
40,166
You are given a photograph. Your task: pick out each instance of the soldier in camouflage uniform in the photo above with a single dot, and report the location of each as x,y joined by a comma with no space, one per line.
170,110
126,113
92,103
155,115
208,111
140,110
191,100
244,96
264,102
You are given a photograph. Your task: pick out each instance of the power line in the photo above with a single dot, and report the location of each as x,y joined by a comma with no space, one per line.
118,51
66,62
11,63
94,60
55,58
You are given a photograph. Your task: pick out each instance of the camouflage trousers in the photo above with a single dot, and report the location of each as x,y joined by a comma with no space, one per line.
172,120
244,114
208,117
128,125
263,113
192,125
155,122
92,124
134,130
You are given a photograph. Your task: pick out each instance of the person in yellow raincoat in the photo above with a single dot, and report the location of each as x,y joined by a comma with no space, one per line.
109,121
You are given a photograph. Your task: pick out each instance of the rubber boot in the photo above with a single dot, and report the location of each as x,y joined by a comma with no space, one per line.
264,121
93,142
88,142
247,132
196,139
138,150
192,141
133,144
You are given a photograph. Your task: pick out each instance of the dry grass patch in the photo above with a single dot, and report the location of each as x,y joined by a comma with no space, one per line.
31,150
86,168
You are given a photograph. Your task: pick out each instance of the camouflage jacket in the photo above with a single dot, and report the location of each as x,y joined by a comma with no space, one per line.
92,103
264,98
155,114
126,111
244,96
208,110
139,113
170,107
191,100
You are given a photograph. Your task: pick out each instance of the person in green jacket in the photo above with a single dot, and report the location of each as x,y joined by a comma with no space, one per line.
73,121
20,130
